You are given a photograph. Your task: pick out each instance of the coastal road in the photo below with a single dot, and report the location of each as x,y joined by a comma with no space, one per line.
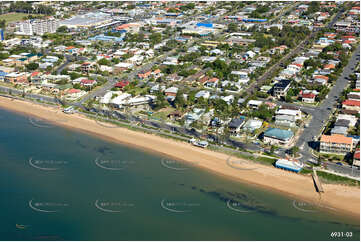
323,112
14,91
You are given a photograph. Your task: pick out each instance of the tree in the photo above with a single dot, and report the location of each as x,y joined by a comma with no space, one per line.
32,66
232,27
155,38
104,62
294,150
62,29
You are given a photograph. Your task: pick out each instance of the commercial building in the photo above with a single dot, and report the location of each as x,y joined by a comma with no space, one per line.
335,144
92,19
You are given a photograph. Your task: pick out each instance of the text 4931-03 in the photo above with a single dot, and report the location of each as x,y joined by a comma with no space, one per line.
341,234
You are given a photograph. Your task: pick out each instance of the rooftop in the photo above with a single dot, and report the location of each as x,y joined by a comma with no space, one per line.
278,133
336,138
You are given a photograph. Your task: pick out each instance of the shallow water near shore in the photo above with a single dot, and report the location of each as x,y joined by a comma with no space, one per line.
58,184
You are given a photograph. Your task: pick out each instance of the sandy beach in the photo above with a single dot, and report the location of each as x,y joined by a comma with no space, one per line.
336,198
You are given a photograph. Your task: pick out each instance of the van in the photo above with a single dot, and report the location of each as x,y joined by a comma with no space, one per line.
69,110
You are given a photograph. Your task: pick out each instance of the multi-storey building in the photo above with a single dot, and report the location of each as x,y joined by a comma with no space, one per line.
39,27
335,144
281,87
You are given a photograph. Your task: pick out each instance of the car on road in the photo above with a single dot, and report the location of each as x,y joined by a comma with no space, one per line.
339,163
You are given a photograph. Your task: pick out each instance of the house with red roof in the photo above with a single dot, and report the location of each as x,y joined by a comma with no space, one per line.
157,73
35,77
329,66
212,82
73,94
144,75
88,83
87,66
351,105
121,84
356,158
308,97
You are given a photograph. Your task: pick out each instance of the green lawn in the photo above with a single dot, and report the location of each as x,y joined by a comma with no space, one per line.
13,17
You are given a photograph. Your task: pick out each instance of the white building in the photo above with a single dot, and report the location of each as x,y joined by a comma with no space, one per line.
38,27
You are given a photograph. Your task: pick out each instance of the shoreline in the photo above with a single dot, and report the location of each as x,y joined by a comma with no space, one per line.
336,199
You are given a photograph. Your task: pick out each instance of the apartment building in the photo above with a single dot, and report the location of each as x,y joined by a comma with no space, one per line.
335,144
38,27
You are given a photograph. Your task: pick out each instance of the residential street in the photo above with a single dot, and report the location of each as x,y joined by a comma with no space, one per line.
323,112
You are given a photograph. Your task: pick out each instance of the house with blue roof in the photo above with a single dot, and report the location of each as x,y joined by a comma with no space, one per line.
275,136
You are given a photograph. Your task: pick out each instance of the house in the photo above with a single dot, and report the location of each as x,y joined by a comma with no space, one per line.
356,158
194,116
73,94
202,93
254,104
342,123
352,119
86,66
351,105
320,79
335,144
329,66
275,136
140,100
120,100
122,66
308,97
252,124
297,113
171,93
157,73
156,88
176,115
78,80
173,78
212,82
35,77
88,83
216,122
235,125
242,76
353,96
339,130
15,77
121,84
228,99
144,74
281,88
285,120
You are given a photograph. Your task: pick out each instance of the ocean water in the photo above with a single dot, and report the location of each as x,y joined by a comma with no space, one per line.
59,184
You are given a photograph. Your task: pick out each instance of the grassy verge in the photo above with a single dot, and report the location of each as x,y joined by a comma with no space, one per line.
13,17
331,178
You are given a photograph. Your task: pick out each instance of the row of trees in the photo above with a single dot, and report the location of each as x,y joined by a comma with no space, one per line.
27,7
